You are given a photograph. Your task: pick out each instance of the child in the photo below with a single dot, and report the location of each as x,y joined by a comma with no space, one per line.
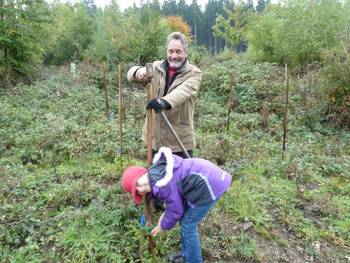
189,188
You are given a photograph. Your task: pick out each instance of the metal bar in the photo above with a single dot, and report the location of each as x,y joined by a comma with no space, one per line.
174,134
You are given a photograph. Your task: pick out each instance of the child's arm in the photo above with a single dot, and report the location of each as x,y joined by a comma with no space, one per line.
158,228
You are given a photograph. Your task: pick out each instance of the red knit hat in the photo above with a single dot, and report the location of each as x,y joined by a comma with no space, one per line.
129,179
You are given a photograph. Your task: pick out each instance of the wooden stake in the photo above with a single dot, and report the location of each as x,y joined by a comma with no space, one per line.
105,87
149,149
285,112
150,74
147,202
121,106
229,103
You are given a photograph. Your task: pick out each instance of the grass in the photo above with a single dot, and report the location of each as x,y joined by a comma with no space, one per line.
60,199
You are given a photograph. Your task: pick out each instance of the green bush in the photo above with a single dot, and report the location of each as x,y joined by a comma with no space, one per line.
296,32
252,85
61,199
336,86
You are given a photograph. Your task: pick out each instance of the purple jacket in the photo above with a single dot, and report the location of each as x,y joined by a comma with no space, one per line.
182,182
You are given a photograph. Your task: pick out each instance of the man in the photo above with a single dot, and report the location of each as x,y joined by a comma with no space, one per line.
175,86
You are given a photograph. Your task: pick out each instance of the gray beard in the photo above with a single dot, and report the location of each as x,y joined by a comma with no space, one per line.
176,64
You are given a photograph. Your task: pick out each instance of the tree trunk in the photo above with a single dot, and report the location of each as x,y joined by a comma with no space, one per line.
195,32
2,19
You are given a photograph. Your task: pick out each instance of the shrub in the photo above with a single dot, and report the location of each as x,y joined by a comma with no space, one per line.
252,85
336,86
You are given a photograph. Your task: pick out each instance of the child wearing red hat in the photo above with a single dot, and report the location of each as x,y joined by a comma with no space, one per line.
189,188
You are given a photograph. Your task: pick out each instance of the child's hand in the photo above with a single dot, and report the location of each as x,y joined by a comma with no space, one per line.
156,230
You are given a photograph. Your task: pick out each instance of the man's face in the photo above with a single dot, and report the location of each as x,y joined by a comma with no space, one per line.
176,53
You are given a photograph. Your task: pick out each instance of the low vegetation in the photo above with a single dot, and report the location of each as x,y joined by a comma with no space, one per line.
60,166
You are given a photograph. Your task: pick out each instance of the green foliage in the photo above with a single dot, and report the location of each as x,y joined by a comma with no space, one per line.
107,31
60,168
232,29
336,87
247,247
223,28
69,209
305,194
297,32
197,53
152,43
137,36
247,206
252,85
22,24
74,27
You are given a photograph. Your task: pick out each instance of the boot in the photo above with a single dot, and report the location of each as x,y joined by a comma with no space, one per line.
176,258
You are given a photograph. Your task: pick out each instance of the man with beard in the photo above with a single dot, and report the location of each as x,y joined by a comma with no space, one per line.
175,86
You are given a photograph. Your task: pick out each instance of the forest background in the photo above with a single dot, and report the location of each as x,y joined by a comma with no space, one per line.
66,136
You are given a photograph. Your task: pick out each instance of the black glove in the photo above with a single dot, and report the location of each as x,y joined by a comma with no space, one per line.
158,105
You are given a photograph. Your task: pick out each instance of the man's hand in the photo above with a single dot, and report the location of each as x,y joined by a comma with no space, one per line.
141,74
158,105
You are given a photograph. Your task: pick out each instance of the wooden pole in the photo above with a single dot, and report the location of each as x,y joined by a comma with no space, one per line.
147,202
285,112
2,19
229,103
149,124
105,87
121,107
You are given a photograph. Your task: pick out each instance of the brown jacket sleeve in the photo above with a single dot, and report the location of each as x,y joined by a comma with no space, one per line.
131,74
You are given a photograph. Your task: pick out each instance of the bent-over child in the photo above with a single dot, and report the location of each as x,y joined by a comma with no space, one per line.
188,187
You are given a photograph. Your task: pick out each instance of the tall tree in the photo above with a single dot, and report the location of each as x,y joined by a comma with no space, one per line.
176,23
102,46
74,31
297,32
232,29
155,5
261,5
182,8
23,23
194,17
90,6
170,8
210,15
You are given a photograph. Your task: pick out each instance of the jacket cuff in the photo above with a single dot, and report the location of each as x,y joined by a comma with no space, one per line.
131,73
165,105
135,72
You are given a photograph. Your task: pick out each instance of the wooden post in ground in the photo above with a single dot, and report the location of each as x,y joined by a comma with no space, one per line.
147,202
285,112
105,88
229,102
121,108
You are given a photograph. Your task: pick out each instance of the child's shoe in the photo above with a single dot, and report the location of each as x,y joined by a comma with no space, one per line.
176,258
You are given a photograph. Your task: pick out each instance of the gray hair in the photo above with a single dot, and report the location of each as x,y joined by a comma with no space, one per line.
178,36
